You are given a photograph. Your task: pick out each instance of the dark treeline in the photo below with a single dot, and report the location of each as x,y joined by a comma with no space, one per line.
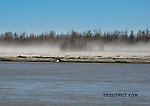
74,40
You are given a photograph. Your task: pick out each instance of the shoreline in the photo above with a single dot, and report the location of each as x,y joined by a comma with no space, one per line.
77,59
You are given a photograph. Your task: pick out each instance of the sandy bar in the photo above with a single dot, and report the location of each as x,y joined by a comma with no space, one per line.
77,59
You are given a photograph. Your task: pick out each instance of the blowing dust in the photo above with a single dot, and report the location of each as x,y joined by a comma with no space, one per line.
91,49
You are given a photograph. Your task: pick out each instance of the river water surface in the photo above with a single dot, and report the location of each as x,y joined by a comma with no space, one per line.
75,84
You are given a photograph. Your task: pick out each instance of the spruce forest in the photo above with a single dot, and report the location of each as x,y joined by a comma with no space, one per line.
74,40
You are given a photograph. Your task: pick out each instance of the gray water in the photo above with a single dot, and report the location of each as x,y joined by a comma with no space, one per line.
75,84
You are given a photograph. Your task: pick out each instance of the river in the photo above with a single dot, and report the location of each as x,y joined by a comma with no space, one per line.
75,84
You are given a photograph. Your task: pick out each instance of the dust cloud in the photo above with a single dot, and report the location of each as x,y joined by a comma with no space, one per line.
119,49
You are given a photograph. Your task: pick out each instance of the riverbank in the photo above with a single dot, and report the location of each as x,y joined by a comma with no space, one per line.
77,59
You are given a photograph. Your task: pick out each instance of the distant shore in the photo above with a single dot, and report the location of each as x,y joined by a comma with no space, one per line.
77,59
